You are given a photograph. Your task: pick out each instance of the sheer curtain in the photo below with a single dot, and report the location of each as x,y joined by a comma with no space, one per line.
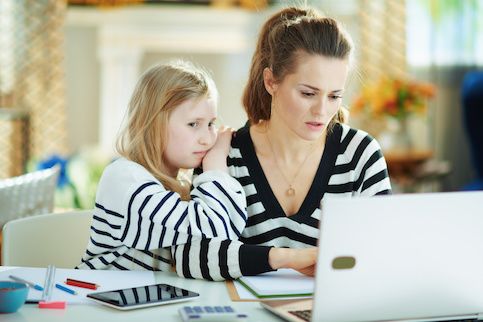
32,71
444,41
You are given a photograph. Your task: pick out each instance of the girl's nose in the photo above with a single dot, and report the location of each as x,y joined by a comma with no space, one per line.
207,138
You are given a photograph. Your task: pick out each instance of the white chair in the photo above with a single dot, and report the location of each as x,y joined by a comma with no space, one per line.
28,194
58,239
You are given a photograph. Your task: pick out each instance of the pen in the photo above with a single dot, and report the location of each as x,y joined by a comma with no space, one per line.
21,280
83,284
65,289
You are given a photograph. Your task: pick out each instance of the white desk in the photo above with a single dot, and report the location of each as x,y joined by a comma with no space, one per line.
211,293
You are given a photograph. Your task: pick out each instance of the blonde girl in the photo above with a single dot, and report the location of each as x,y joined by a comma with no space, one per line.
142,211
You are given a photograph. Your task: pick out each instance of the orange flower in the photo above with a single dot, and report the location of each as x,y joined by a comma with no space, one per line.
393,97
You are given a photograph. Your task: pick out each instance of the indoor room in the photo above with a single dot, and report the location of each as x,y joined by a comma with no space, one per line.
68,71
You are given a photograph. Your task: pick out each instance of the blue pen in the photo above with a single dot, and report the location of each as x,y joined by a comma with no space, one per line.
65,289
21,280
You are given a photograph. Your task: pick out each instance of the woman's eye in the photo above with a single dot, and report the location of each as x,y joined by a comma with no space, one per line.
211,124
193,124
308,94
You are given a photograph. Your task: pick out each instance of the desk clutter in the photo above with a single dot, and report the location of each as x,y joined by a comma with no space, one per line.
51,285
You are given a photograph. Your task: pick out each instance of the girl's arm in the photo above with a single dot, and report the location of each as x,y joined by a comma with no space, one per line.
217,259
157,218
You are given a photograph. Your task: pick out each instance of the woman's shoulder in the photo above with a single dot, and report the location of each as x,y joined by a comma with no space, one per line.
349,133
355,141
241,137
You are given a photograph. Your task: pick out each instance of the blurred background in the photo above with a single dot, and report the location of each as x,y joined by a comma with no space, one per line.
67,70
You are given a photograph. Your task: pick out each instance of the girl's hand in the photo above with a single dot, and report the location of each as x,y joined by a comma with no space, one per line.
215,159
299,259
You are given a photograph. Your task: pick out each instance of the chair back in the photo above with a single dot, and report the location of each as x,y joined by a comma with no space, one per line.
28,194
472,100
58,239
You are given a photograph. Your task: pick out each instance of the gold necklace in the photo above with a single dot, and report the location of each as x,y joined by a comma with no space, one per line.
291,190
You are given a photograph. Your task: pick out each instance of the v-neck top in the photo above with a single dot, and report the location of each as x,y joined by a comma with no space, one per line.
352,165
349,156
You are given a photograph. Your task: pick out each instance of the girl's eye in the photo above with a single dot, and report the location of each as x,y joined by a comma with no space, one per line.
335,97
211,124
193,124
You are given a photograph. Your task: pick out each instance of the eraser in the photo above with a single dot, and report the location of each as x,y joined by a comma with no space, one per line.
52,305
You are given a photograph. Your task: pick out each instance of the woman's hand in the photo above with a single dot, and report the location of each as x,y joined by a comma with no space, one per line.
215,159
299,259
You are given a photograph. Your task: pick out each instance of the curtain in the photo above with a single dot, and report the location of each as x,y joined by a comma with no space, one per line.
444,42
32,70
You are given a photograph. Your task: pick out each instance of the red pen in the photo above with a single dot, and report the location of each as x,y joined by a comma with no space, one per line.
78,283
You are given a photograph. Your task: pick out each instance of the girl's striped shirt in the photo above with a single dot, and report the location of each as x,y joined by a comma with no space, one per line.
136,221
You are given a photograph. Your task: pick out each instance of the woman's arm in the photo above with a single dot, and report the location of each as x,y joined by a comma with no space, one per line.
217,259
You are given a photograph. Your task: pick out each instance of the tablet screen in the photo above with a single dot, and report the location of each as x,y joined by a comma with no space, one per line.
143,296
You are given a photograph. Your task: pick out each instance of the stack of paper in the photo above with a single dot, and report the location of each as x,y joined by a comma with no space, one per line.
281,283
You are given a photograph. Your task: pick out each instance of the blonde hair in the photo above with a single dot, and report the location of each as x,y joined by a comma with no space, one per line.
283,38
158,92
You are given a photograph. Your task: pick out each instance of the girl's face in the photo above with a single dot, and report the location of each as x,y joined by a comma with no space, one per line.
191,133
307,100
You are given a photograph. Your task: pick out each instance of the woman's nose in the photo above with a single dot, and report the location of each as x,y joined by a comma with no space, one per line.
319,107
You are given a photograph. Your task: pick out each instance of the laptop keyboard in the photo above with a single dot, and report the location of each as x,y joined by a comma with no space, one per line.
302,314
307,314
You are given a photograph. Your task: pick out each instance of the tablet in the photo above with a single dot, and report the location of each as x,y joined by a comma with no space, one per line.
143,296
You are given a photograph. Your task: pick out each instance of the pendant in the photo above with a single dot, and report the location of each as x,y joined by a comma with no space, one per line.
290,192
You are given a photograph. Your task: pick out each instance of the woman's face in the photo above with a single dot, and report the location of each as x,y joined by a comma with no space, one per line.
191,133
305,101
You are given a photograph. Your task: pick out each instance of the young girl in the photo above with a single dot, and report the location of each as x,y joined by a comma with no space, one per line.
142,210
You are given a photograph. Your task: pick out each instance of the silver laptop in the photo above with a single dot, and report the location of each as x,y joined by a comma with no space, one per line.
413,257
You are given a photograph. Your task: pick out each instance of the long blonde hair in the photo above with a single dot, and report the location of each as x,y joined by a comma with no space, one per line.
158,92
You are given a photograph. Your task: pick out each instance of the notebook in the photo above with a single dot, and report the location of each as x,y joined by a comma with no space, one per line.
281,283
414,257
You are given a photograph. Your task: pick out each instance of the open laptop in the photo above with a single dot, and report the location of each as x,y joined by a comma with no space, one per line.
413,257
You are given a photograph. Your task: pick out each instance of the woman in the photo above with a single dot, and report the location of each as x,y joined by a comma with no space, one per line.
293,152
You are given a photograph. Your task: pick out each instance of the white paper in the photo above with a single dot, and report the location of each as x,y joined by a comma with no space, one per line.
282,282
106,279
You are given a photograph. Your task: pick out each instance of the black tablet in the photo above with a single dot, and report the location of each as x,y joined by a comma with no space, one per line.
143,296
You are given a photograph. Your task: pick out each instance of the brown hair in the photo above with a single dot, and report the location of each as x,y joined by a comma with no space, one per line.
159,91
283,38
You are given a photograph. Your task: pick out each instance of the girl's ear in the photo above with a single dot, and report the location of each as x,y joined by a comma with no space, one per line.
269,81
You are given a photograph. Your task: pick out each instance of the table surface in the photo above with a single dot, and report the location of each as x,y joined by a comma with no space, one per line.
211,293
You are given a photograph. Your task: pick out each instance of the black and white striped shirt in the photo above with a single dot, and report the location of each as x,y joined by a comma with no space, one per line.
137,221
352,165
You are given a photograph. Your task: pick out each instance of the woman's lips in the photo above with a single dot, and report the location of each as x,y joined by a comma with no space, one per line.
315,126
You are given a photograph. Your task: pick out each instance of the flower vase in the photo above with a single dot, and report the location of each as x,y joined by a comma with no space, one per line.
402,135
396,136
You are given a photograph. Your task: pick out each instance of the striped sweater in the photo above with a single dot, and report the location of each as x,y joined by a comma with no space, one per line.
136,221
352,165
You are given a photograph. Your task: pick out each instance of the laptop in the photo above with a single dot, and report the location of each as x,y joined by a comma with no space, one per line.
410,257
